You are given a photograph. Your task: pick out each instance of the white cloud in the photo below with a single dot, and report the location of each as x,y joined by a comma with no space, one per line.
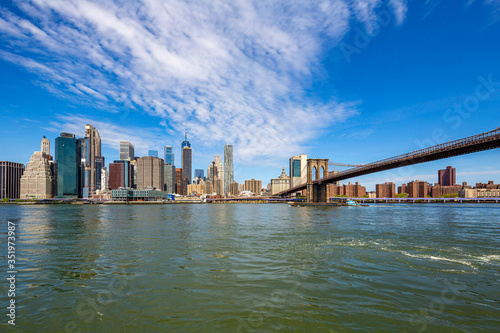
399,7
229,72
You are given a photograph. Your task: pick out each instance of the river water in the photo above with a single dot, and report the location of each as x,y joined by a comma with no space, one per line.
254,268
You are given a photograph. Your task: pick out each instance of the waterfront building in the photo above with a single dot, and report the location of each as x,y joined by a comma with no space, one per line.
153,153
371,194
121,173
99,164
37,181
68,156
199,188
209,187
168,155
126,151
479,193
235,191
218,187
92,150
241,188
138,195
254,186
179,183
199,173
386,190
350,190
220,173
104,179
418,189
298,170
150,173
438,191
10,179
169,178
228,168
402,189
281,183
447,177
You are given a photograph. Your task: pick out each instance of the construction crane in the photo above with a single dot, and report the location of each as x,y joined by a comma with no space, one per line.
346,165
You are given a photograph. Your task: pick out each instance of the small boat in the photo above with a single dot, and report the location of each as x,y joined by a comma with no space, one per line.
351,203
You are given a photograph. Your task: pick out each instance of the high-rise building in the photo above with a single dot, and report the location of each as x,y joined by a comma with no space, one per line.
126,150
254,186
220,173
153,153
99,164
212,171
350,190
228,168
121,174
418,189
169,178
10,179
45,146
37,180
150,173
104,179
179,183
168,155
92,150
235,191
186,163
198,173
386,190
281,183
447,177
298,170
68,156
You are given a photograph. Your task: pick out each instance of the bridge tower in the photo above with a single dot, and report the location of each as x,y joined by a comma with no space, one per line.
317,192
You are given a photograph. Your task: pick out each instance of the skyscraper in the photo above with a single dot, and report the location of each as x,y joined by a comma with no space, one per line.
37,180
198,173
126,150
10,179
228,168
169,178
220,173
121,173
99,164
298,170
68,165
45,145
168,155
92,150
153,153
150,173
186,163
447,177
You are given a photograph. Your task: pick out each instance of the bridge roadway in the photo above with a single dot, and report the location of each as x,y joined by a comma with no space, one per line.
468,145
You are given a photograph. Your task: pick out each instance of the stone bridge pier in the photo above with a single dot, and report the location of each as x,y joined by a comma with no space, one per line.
317,192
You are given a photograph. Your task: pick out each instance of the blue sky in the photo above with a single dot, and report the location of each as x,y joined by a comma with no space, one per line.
354,81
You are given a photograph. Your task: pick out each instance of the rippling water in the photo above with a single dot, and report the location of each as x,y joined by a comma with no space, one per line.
262,268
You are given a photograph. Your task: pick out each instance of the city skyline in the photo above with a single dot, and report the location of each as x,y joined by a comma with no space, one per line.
354,94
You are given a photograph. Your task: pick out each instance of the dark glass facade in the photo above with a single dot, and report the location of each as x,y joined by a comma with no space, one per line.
68,167
296,168
10,179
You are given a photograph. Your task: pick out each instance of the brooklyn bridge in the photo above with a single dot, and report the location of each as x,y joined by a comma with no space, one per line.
318,189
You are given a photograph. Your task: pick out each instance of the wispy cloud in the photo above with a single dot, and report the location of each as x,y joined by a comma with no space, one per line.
233,72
